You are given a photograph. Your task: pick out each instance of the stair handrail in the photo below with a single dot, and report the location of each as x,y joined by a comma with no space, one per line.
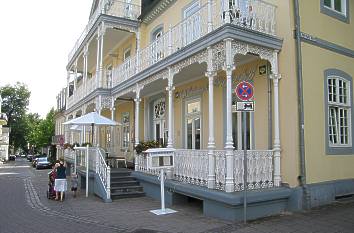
103,171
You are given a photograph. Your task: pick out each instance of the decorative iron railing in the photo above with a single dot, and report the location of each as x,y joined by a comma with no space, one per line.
191,166
108,7
103,171
96,163
254,15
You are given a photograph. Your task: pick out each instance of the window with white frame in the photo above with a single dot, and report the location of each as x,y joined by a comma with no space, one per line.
193,124
126,60
159,122
125,130
338,9
157,44
339,111
191,24
336,5
109,76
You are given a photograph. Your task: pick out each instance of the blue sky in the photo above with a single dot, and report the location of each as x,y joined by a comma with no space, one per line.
36,37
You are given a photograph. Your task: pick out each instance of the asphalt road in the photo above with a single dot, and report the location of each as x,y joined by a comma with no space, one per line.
24,208
21,210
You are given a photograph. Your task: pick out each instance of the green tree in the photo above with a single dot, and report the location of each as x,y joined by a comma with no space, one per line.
32,123
46,130
15,103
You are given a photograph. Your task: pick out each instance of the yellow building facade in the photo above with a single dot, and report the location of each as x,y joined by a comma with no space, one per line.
170,71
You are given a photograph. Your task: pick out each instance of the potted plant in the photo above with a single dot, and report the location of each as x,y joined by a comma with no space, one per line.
144,145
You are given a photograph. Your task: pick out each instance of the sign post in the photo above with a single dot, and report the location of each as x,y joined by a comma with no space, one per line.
245,92
161,158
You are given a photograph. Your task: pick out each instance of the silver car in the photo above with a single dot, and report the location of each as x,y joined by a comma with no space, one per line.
43,163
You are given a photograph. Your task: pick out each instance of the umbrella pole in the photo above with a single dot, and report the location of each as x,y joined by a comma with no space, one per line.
93,133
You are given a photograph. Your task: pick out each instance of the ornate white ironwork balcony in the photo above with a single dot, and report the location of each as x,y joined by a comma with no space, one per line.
191,166
108,7
254,15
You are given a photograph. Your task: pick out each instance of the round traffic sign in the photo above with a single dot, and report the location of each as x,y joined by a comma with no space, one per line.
244,91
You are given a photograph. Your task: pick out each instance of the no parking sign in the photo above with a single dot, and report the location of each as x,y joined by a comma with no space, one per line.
244,91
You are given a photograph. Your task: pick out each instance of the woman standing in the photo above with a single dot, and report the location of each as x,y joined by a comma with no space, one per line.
60,181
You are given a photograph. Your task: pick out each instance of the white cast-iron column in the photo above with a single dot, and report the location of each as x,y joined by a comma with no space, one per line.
75,75
67,85
211,74
112,129
226,13
229,182
276,146
85,67
99,64
101,54
137,66
170,88
137,103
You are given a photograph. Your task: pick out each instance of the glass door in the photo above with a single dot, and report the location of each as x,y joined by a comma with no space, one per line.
191,24
193,124
159,124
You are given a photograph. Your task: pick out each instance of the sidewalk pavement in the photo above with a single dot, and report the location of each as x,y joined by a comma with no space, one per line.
132,215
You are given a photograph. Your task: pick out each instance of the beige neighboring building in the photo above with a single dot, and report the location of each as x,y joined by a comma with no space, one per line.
4,143
178,72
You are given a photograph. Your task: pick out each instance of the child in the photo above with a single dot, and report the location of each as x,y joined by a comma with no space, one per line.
74,183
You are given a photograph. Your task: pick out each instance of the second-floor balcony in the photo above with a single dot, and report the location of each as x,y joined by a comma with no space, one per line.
114,8
252,17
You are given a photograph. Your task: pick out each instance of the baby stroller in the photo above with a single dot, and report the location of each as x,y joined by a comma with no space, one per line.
51,181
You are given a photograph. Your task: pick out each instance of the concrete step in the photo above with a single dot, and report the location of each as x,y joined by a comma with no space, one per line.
122,178
124,183
126,189
120,195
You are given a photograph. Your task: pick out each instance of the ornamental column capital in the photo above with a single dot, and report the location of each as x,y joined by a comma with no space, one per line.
275,77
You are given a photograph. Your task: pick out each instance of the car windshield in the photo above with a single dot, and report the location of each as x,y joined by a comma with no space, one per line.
42,159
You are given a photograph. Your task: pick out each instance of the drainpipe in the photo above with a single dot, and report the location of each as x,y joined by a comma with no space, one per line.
302,177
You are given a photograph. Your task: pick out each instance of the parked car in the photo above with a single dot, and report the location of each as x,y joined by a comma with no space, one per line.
12,157
43,163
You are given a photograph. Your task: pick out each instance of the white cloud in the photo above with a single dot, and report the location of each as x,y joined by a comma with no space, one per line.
36,37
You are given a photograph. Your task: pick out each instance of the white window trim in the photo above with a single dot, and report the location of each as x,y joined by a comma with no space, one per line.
124,125
192,116
161,120
340,106
343,10
125,52
338,149
343,15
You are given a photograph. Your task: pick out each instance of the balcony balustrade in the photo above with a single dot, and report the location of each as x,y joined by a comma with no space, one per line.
191,166
255,15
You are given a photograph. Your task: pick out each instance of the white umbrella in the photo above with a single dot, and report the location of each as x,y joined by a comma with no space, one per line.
92,118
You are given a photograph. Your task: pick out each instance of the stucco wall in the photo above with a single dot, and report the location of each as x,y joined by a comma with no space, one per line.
320,166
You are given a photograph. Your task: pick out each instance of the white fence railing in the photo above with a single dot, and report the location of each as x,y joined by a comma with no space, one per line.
96,164
103,171
191,166
255,15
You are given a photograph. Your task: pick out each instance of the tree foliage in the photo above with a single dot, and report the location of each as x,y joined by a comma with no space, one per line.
15,103
26,128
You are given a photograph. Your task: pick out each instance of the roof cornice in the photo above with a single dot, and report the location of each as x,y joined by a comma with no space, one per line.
156,10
